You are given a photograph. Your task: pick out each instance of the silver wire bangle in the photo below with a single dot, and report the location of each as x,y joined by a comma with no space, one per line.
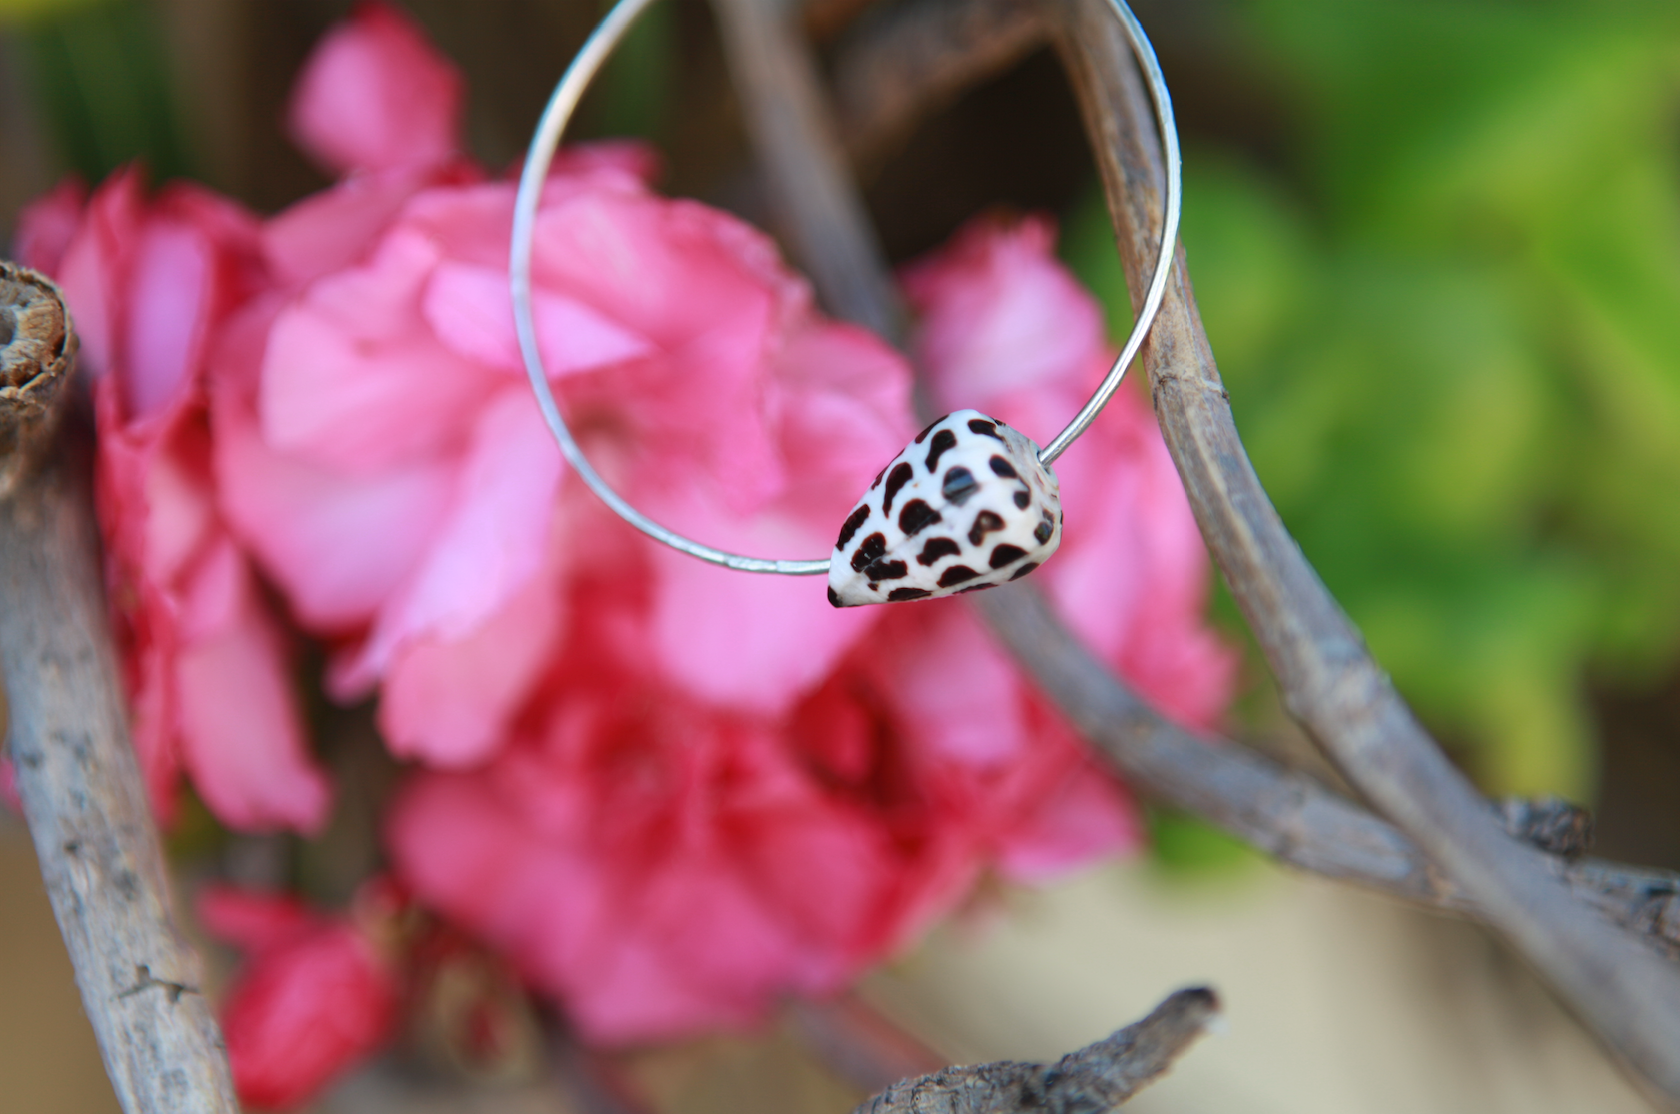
546,141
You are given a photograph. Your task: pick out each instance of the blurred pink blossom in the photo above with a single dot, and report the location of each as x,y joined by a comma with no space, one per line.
665,861
315,996
667,792
375,96
150,282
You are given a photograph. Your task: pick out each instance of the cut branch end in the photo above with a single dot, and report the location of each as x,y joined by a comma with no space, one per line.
37,350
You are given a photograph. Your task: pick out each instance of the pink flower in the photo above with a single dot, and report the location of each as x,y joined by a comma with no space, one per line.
317,995
378,449
48,224
150,283
662,865
666,792
374,96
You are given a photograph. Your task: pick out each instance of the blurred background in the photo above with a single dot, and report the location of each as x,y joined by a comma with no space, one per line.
1437,249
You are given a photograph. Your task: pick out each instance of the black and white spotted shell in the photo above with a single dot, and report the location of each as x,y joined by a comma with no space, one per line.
965,506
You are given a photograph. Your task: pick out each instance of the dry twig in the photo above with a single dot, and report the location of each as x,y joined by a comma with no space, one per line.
1097,1078
1329,681
76,772
37,349
793,137
1287,813
904,61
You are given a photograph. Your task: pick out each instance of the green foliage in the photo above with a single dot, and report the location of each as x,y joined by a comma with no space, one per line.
635,85
101,74
1184,848
11,10
1449,320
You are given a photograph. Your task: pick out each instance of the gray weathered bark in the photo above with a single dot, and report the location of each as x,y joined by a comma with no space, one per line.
1620,987
82,792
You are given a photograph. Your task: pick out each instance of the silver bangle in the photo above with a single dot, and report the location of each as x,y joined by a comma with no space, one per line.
544,144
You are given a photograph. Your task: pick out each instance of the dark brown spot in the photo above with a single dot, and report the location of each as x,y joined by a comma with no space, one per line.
937,548
922,436
984,523
834,597
1024,570
901,475
1006,553
959,485
916,517
1043,532
856,520
985,428
942,441
899,595
878,476
956,574
976,588
887,570
871,549
1022,498
1002,467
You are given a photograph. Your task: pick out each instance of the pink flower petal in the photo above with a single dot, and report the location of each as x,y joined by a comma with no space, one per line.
46,226
305,1012
8,787
490,545
471,311
950,685
449,703
240,734
353,378
605,159
676,272
1082,820
94,270
339,545
251,920
166,319
1000,315
756,643
337,228
841,398
374,95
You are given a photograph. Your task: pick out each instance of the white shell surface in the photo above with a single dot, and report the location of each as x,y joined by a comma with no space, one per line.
965,506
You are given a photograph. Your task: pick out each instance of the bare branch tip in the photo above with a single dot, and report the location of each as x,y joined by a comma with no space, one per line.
36,340
37,351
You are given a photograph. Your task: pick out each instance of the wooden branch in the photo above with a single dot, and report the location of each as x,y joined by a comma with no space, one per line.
905,61
1289,814
1330,683
37,348
818,212
1098,1077
76,771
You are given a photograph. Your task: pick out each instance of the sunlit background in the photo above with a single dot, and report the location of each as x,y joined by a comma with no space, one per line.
1437,249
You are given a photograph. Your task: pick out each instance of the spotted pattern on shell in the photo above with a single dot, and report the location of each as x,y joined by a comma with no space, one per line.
965,506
